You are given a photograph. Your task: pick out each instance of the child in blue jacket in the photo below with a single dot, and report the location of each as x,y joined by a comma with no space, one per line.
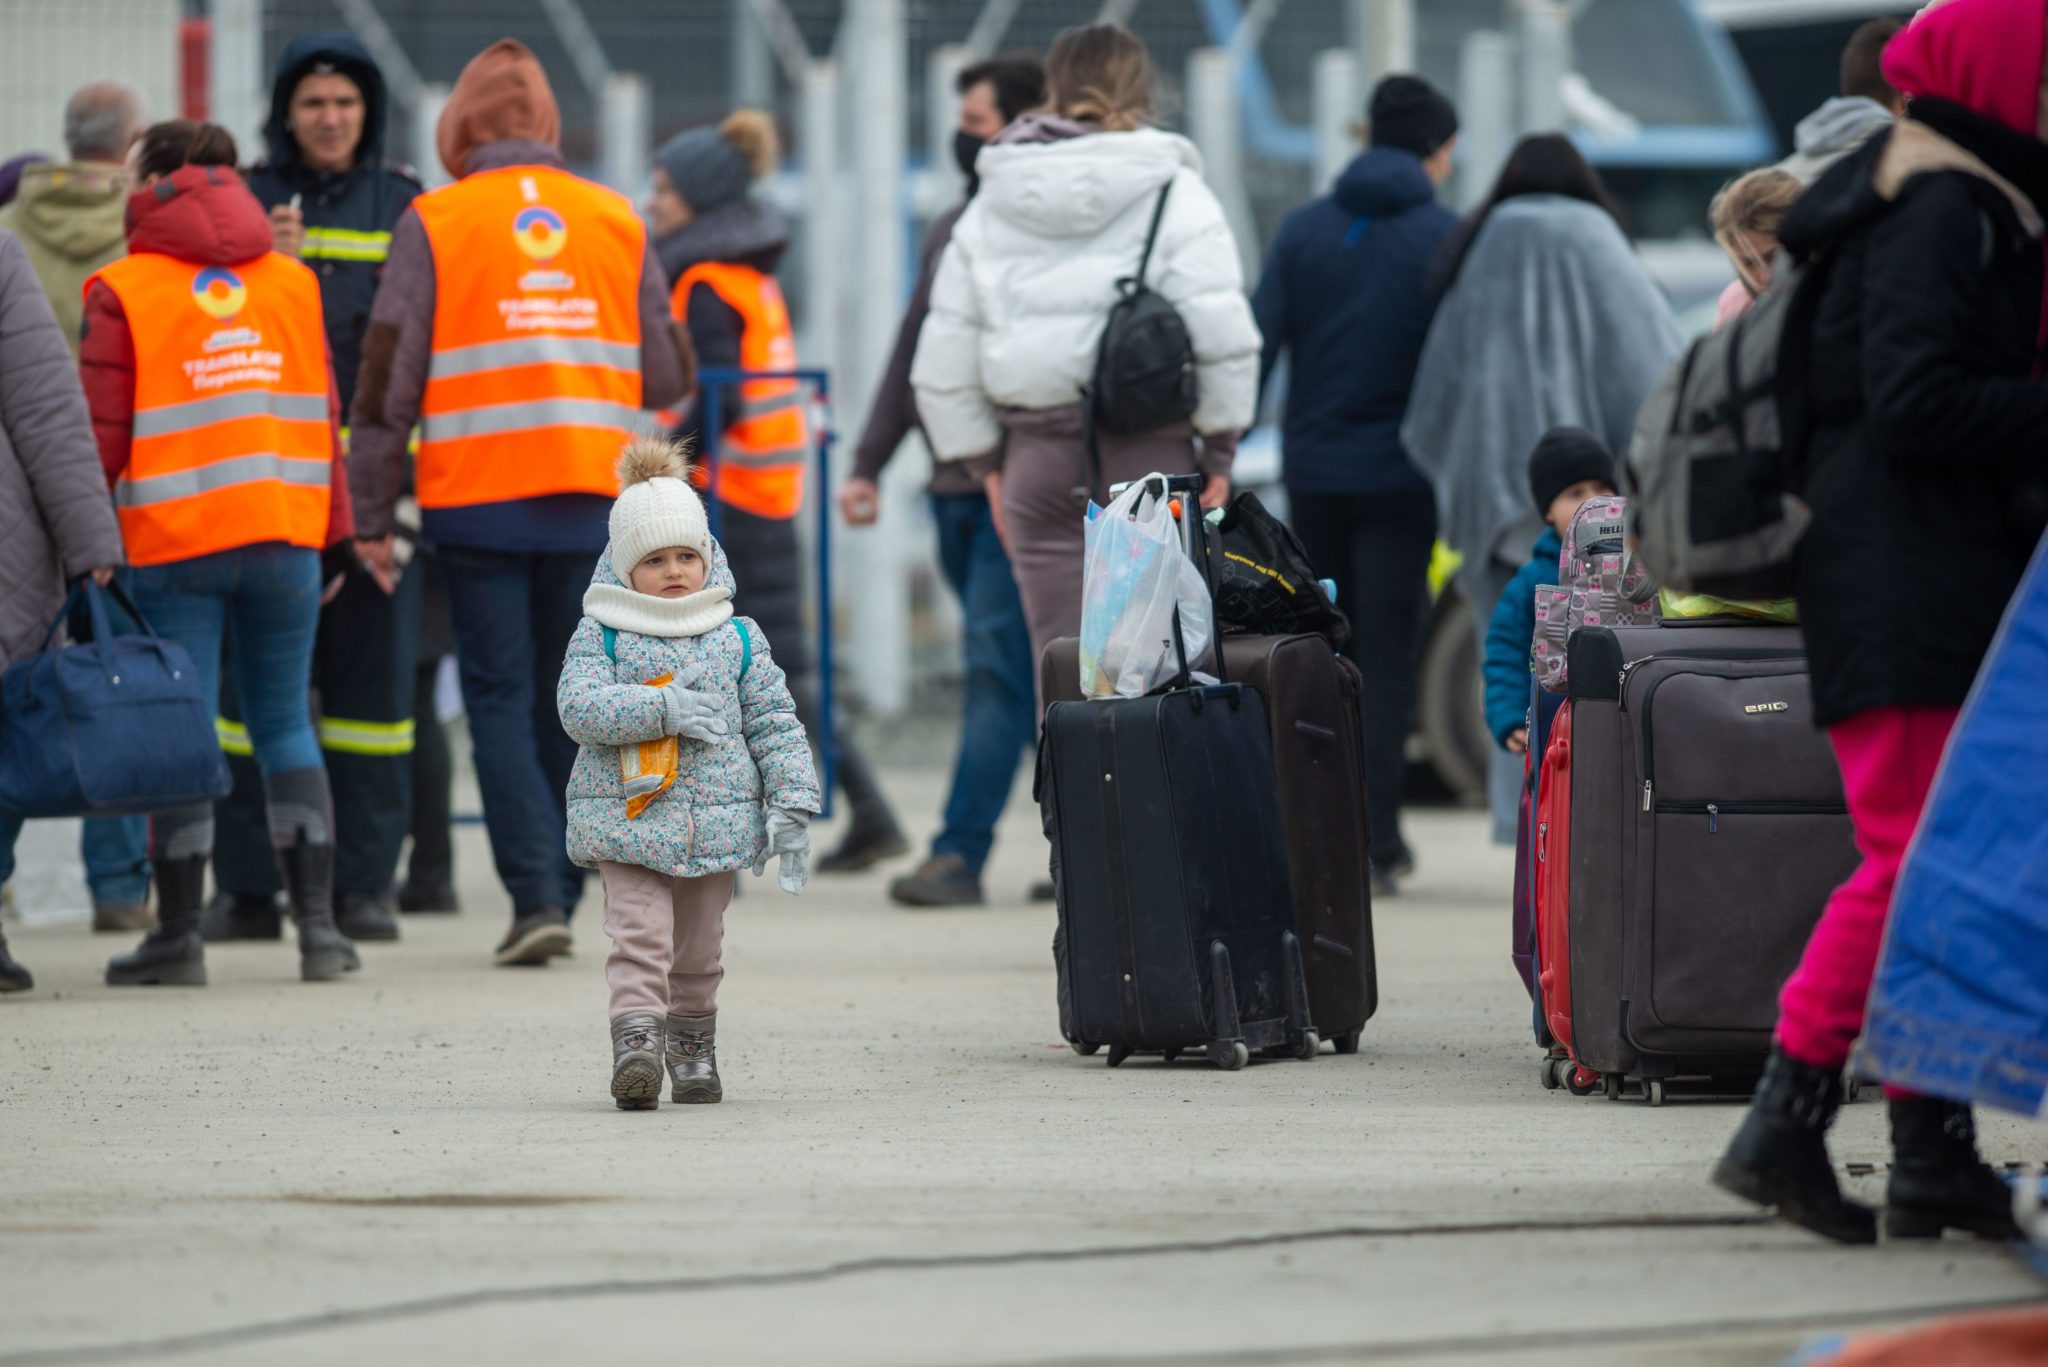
1568,466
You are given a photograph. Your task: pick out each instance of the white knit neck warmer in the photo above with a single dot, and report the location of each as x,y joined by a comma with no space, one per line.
693,614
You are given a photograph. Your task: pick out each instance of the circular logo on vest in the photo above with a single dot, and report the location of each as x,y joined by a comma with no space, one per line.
220,292
540,232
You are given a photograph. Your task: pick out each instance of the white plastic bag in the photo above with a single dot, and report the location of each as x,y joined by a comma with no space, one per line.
1136,575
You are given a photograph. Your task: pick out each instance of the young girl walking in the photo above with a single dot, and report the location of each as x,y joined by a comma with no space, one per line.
693,766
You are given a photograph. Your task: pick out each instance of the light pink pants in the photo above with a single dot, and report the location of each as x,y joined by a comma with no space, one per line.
1888,757
666,935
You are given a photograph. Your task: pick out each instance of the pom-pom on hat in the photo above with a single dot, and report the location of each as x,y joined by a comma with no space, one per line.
656,506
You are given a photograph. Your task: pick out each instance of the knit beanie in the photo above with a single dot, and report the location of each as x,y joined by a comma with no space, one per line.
1409,113
712,167
1565,456
656,506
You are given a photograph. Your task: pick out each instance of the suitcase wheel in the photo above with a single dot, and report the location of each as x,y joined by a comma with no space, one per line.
1653,1090
1578,1079
1117,1054
1311,1045
1085,1048
1850,1092
1548,1073
1612,1082
1229,1055
1170,1054
1347,1043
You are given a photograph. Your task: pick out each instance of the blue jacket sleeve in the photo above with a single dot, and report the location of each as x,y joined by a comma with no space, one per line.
1269,301
1508,638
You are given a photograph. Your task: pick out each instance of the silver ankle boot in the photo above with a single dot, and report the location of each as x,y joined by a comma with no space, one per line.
692,1062
636,1061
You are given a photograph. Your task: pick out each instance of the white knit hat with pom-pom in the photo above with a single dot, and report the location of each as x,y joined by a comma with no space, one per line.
656,506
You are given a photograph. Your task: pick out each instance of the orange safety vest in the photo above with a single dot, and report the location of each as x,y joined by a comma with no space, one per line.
533,384
760,461
230,444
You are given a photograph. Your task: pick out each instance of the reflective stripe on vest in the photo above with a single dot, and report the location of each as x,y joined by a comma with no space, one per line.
533,383
760,456
229,442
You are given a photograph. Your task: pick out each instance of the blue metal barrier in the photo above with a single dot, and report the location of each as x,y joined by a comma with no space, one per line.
709,384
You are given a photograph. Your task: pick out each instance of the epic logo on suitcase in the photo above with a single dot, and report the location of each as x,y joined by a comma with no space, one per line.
1176,912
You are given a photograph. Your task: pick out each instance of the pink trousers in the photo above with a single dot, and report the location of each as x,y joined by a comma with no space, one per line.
1888,757
666,936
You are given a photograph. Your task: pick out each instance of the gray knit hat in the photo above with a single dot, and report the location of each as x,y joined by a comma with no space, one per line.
704,168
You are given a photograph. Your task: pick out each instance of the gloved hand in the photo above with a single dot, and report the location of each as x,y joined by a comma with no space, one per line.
787,834
687,712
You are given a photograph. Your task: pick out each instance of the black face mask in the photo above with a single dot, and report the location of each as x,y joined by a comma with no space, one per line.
966,147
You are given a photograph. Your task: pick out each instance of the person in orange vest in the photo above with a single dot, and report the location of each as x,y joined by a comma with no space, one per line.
720,246
523,323
205,362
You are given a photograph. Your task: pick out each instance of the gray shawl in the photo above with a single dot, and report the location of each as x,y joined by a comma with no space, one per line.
1551,322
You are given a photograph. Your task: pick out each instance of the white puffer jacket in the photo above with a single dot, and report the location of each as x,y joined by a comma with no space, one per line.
1027,282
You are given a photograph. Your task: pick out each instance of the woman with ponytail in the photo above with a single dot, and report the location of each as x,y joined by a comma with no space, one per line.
1067,200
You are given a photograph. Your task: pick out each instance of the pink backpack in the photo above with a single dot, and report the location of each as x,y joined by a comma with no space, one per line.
1600,584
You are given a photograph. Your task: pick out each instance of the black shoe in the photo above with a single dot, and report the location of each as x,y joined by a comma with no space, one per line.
324,952
232,917
1779,1156
427,897
361,916
1384,882
944,880
1938,1182
172,955
865,846
1043,891
535,938
13,977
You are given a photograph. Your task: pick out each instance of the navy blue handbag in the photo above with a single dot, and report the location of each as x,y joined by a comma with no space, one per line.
112,726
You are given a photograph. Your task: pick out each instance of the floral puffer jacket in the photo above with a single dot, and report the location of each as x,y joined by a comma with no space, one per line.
710,820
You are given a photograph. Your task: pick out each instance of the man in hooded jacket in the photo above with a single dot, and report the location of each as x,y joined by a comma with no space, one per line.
1344,294
534,301
332,203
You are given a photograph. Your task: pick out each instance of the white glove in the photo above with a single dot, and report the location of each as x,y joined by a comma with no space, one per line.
787,834
687,712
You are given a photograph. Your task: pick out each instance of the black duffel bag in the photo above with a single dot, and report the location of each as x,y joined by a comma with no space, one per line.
1265,585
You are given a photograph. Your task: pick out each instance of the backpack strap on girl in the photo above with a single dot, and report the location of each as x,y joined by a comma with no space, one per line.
611,646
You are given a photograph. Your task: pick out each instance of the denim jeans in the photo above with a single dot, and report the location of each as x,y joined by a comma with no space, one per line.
271,595
513,614
998,718
115,850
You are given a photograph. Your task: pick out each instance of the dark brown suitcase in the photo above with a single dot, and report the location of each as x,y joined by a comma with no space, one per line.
1315,702
1708,830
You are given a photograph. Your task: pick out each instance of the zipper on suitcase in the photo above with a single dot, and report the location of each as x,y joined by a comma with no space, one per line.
1713,811
1738,656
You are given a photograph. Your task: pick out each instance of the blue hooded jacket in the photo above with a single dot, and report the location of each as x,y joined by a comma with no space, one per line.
1345,292
1510,634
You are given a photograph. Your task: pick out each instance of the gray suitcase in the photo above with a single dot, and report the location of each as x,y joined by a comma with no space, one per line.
1708,830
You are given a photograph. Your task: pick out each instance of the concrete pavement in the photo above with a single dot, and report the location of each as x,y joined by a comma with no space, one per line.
421,1164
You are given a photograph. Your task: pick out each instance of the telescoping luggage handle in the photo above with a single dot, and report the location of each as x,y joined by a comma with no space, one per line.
1194,528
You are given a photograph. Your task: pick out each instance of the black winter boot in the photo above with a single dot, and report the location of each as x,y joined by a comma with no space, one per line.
1779,1156
172,955
693,1060
1938,1182
636,1061
324,952
231,916
366,916
13,977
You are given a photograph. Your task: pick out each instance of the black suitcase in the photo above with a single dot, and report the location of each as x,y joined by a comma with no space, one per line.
1176,913
1315,708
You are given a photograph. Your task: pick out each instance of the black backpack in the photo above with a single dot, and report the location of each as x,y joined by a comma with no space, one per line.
1145,365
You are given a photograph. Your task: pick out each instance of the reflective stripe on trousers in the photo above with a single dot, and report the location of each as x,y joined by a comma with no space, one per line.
222,474
376,738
